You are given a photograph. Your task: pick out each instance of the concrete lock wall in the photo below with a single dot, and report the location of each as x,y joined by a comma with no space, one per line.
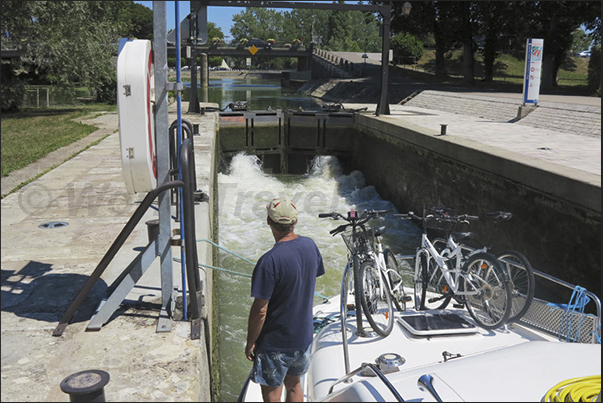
556,220
556,211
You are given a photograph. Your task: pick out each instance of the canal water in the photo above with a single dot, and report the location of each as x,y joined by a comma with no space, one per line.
244,190
260,94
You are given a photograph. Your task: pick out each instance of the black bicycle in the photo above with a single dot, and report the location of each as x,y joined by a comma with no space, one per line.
377,277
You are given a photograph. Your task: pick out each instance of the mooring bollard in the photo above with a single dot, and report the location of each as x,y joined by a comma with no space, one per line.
152,229
443,129
86,386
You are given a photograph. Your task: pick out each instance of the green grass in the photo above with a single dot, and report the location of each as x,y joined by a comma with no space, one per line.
508,73
31,134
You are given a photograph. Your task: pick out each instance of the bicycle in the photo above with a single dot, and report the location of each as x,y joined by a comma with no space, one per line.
518,267
377,278
478,277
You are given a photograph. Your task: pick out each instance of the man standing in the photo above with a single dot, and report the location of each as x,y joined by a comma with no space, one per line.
280,328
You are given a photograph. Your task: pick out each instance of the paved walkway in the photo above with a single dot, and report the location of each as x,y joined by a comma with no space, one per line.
43,269
491,120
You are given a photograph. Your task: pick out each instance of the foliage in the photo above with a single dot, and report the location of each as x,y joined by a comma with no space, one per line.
70,42
214,61
502,26
594,70
257,23
214,32
12,93
352,31
136,20
407,46
106,90
580,41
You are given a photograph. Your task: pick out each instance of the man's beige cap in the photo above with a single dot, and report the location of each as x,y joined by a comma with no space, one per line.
282,210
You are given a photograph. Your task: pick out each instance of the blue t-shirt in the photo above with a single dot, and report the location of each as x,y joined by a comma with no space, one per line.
286,276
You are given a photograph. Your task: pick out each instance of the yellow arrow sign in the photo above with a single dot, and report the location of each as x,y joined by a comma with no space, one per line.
253,50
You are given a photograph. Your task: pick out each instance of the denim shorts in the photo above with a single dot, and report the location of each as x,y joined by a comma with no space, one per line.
271,367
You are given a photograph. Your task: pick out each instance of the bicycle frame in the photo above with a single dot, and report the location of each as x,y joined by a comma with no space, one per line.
379,259
453,258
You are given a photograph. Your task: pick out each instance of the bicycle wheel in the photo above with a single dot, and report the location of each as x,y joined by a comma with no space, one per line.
433,288
490,306
394,273
376,300
522,279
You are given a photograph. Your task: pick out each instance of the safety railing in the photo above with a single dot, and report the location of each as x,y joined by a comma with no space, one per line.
193,278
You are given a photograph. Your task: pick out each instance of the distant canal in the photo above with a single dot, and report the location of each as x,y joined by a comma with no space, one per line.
260,94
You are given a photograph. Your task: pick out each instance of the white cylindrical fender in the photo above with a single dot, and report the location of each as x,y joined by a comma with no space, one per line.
135,99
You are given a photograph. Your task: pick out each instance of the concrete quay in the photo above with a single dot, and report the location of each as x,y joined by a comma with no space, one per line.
43,269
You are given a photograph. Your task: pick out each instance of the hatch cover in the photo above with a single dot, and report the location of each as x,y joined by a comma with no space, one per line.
428,324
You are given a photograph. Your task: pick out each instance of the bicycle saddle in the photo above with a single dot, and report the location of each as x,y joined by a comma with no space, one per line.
378,231
459,236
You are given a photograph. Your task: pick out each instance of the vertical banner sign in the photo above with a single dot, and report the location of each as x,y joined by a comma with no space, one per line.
531,78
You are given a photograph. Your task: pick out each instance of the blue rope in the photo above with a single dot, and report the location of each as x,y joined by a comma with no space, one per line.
580,300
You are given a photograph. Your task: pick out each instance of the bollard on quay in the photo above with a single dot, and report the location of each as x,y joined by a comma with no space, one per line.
443,129
86,386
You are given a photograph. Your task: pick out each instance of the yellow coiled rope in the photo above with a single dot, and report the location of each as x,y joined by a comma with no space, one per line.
583,389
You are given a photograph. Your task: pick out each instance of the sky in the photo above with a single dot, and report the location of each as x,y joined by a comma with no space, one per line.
222,16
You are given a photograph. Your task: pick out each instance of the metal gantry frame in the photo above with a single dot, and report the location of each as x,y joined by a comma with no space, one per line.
384,9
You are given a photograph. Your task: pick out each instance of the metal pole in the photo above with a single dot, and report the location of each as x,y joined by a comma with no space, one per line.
383,107
163,165
179,137
193,104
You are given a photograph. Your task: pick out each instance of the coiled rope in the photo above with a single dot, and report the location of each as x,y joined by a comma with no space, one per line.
583,389
232,271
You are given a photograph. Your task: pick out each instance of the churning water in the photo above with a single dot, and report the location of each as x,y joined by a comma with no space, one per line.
244,192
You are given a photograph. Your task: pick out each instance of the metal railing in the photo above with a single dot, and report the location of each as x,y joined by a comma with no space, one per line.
376,371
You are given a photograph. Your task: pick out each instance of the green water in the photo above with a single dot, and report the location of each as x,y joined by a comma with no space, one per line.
259,94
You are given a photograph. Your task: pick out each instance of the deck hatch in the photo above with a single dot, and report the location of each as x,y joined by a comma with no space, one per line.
439,324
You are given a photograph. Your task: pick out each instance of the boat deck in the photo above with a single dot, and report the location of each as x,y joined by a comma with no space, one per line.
512,363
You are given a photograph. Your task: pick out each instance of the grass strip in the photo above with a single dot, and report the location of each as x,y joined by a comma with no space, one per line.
31,134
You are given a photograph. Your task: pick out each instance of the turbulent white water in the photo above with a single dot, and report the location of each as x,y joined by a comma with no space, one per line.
243,194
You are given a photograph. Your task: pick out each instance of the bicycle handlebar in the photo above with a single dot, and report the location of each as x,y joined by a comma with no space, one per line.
353,218
461,217
499,215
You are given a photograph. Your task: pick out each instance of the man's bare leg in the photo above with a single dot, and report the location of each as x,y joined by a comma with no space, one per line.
293,389
272,393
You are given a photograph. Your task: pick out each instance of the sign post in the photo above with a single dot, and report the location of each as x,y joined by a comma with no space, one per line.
531,77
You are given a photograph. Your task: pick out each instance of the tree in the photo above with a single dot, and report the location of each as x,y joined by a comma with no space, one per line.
136,19
303,23
580,41
71,42
407,47
259,23
555,22
435,17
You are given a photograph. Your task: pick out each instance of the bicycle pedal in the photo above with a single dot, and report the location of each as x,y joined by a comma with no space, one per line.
407,298
458,305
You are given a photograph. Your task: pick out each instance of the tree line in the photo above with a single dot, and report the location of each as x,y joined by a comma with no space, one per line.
491,27
75,42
